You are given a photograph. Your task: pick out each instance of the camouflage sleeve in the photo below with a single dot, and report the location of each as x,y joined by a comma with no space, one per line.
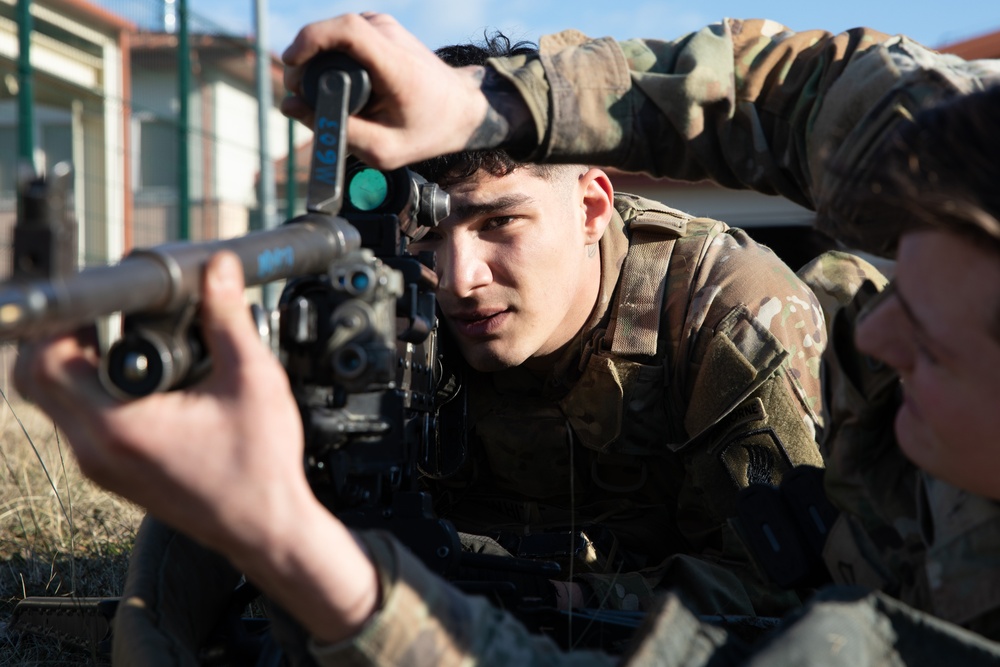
748,104
848,626
876,542
423,620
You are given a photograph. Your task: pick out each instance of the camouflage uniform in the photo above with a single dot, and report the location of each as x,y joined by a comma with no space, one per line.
751,104
424,621
697,374
748,104
926,542
176,591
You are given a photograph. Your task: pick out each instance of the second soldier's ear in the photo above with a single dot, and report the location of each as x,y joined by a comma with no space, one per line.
598,203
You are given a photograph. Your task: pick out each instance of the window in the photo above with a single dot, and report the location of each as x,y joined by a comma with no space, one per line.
57,142
157,153
8,161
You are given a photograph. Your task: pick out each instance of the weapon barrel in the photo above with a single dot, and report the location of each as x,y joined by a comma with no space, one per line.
165,277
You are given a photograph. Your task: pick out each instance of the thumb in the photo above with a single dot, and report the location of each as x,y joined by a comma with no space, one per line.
226,324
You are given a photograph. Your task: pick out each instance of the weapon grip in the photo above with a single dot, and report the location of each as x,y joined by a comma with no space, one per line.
335,86
333,61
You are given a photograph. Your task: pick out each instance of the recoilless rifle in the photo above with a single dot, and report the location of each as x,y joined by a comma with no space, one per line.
355,328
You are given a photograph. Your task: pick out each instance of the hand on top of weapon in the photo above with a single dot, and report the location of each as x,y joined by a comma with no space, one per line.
420,107
220,460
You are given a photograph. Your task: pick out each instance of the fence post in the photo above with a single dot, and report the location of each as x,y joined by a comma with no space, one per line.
265,101
25,87
183,121
290,169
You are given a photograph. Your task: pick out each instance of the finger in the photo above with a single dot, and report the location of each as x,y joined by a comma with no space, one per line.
372,39
60,376
293,80
376,147
393,30
26,370
336,34
227,327
296,107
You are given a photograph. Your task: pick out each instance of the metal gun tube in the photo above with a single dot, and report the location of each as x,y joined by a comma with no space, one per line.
166,277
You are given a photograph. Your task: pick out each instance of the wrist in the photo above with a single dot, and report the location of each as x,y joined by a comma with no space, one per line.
507,122
314,568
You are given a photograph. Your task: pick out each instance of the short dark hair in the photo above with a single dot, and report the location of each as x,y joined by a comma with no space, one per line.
939,171
448,169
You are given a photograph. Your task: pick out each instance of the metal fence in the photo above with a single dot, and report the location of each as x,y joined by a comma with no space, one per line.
152,163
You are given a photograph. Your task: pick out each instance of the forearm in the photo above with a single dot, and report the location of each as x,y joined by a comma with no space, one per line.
423,620
365,600
507,120
747,104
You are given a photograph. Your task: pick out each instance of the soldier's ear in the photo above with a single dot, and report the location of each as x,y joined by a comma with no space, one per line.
598,203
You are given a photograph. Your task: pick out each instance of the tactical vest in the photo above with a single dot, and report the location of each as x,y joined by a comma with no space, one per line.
622,424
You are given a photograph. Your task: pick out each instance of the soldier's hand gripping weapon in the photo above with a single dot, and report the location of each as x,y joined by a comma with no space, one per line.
355,327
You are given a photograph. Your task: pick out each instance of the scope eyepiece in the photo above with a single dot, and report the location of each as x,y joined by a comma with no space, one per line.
418,204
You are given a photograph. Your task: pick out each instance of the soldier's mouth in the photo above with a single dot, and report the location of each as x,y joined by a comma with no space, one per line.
479,324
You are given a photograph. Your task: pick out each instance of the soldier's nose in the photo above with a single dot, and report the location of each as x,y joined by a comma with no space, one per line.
882,332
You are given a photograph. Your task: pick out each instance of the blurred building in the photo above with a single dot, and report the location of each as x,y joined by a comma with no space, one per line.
975,48
105,97
79,58
105,92
222,142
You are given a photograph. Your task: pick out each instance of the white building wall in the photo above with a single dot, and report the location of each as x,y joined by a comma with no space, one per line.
79,86
236,159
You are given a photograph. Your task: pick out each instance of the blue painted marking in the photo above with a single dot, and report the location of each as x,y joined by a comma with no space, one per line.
326,175
327,156
273,260
323,123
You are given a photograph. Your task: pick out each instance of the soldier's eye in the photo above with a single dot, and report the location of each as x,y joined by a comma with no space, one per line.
497,222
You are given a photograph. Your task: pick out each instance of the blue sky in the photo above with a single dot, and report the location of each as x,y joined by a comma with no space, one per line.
439,22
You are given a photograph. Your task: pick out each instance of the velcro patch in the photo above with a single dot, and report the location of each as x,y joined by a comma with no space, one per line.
755,457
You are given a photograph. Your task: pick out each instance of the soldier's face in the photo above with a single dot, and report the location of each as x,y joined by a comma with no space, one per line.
518,263
941,331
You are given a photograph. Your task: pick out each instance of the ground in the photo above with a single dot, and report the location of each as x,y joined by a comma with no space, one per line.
59,534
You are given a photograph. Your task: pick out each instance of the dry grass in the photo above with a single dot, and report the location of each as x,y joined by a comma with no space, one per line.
59,533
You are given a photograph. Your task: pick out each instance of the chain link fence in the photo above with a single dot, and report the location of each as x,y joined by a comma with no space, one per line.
106,98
